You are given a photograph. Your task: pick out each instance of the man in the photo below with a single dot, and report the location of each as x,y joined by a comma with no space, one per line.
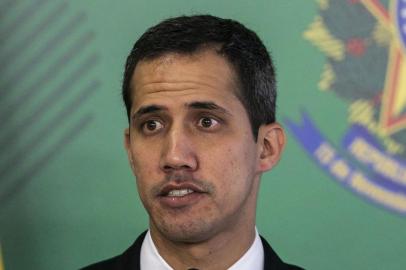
200,97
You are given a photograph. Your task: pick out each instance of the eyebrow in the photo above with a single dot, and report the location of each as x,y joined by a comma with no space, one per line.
147,109
207,105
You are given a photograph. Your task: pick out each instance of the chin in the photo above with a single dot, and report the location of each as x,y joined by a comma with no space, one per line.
187,232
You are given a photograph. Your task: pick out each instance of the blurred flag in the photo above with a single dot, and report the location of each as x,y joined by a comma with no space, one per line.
1,260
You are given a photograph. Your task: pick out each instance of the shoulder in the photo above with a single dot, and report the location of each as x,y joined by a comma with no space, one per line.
130,259
272,260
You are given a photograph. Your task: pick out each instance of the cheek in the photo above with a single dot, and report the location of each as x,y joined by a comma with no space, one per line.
233,169
145,159
146,169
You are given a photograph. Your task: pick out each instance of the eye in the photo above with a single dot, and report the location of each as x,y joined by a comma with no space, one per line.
151,126
207,122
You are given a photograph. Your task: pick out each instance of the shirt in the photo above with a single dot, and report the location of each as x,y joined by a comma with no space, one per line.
253,259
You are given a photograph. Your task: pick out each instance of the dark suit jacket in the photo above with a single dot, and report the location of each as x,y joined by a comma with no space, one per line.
130,259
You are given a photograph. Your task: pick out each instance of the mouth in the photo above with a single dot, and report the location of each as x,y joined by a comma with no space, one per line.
179,192
182,195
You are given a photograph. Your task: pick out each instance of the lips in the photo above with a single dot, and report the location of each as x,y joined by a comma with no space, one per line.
178,190
180,195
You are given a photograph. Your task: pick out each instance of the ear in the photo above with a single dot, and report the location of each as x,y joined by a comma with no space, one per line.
271,142
127,145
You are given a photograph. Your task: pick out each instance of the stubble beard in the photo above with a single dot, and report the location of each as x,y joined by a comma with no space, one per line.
197,224
194,223
190,224
189,231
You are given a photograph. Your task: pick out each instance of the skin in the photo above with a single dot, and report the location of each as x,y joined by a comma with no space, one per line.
189,129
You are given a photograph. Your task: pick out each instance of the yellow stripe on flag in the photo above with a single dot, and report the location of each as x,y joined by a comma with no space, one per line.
1,260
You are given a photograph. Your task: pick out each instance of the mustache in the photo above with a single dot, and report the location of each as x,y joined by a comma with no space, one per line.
180,178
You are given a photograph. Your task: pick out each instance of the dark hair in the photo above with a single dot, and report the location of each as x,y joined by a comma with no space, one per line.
239,45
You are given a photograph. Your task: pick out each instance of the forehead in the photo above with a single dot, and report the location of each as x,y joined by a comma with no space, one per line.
204,74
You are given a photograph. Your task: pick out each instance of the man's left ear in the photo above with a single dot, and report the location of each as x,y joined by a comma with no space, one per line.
271,141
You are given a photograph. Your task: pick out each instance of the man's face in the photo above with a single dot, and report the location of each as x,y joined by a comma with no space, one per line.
191,147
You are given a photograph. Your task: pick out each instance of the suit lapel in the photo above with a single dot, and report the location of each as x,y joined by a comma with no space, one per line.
271,259
130,259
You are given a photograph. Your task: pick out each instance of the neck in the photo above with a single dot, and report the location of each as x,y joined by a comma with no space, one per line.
218,252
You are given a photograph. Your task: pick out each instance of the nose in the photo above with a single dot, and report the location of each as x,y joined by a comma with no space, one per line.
178,152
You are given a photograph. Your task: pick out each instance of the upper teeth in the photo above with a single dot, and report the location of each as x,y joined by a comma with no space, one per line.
179,192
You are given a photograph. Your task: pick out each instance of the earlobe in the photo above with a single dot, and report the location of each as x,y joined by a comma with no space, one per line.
271,142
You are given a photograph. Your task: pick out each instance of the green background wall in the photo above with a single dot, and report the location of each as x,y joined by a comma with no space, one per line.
67,196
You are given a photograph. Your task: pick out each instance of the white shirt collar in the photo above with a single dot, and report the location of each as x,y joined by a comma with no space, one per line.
253,259
150,258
